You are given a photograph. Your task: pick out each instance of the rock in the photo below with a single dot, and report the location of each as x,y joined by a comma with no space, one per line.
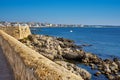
92,66
97,73
111,77
65,40
90,58
107,69
86,60
39,44
114,66
59,48
71,56
118,63
74,69
30,37
67,43
117,77
116,72
115,59
85,74
108,61
64,49
88,55
100,67
82,52
35,41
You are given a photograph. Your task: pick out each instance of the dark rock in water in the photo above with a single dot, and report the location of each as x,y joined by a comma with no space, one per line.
86,45
115,59
68,43
108,61
118,63
65,40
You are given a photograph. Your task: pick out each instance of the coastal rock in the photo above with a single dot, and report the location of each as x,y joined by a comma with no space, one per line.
100,67
74,69
85,60
31,37
64,49
117,77
90,58
118,63
97,73
67,43
111,77
114,66
70,56
106,69
57,47
114,77
107,61
92,66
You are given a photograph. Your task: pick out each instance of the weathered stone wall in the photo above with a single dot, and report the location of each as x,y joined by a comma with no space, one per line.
30,65
17,32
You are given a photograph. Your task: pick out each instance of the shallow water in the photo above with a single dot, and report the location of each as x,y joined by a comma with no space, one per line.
105,41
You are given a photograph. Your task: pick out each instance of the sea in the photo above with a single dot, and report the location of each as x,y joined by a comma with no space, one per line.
104,42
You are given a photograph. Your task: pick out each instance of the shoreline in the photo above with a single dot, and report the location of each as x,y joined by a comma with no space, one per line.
81,36
67,50
76,27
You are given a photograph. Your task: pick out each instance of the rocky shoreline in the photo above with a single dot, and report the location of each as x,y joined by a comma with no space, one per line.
63,51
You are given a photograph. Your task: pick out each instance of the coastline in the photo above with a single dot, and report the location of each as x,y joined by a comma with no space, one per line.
62,50
104,41
86,26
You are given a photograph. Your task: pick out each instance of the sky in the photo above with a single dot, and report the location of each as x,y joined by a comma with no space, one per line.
93,12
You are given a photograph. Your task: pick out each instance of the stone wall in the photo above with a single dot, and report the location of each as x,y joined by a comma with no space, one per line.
17,32
30,65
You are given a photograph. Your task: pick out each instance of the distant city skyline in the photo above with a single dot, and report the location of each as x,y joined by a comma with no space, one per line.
90,12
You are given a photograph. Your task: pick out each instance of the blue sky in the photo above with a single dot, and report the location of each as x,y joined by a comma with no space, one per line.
62,11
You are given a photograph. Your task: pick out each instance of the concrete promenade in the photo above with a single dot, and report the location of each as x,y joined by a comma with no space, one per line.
5,70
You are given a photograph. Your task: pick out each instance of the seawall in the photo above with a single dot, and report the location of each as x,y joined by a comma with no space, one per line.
30,65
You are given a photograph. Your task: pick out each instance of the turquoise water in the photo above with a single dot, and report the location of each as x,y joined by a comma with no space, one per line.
105,41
